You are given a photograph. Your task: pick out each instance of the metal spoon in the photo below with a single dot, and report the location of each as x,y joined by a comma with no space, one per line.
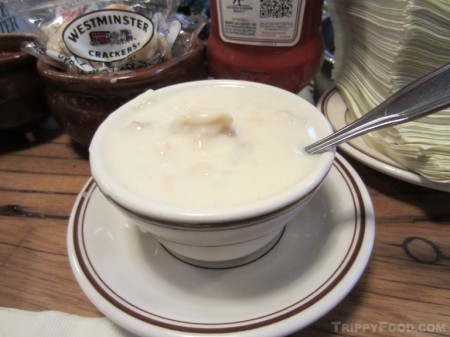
422,97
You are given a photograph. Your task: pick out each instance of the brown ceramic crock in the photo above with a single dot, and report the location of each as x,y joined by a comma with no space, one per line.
22,101
80,102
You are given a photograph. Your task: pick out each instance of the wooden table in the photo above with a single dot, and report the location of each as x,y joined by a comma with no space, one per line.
405,290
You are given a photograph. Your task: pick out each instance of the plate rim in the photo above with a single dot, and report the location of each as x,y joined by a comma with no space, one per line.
365,213
371,160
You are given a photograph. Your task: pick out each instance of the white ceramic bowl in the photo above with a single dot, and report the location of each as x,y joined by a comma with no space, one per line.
212,236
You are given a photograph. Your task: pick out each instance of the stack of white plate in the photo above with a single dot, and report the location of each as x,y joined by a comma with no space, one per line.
381,46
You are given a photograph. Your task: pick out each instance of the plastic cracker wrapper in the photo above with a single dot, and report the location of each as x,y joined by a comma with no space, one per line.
107,36
11,22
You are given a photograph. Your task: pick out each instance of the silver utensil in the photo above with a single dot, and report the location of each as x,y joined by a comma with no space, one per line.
426,95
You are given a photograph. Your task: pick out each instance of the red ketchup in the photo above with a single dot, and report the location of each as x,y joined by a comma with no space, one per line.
276,42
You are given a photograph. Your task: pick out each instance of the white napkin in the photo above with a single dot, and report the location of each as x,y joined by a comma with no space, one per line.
381,46
21,323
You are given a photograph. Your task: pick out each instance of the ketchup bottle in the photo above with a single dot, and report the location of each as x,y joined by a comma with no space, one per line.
277,42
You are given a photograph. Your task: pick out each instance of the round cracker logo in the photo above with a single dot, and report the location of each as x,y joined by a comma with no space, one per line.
108,35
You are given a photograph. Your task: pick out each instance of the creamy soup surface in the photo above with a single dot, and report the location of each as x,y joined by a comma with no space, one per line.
210,147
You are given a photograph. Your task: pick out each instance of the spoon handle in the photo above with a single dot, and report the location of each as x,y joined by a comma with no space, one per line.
423,96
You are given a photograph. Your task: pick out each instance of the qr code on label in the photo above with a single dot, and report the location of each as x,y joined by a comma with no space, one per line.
275,8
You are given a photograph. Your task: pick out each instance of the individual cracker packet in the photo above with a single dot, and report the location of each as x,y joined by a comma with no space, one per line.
11,22
105,36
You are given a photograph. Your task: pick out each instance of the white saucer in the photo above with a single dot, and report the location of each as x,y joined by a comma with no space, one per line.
335,109
135,282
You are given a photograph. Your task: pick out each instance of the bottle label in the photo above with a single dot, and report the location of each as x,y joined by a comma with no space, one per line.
261,22
108,35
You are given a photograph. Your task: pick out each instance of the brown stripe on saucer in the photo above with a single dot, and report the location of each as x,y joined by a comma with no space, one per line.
202,328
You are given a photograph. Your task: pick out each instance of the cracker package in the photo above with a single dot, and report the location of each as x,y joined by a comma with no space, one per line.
108,36
11,22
